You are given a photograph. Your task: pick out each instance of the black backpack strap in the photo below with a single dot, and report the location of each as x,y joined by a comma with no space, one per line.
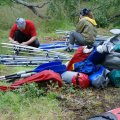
102,116
77,81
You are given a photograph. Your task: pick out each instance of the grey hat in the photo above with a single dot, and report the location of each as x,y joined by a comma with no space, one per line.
20,22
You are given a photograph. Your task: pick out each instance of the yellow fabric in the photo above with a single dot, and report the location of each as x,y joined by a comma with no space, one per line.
72,66
91,20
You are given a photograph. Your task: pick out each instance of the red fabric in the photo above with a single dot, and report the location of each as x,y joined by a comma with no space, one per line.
116,112
6,88
41,76
83,79
30,29
78,57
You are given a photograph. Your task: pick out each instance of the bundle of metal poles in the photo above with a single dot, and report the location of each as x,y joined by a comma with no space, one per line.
39,56
27,60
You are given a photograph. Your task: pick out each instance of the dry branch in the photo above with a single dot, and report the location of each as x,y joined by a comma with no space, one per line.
33,7
113,17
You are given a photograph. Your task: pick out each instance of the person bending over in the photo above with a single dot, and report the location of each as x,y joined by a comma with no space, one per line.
85,33
24,32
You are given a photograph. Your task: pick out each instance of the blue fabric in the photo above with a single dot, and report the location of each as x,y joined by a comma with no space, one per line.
99,79
96,57
56,66
46,65
94,76
86,67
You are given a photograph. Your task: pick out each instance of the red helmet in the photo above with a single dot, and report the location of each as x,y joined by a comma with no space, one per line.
81,80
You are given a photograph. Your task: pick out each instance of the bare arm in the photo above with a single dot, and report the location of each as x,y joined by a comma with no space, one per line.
12,40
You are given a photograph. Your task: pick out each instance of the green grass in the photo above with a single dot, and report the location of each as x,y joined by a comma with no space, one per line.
15,106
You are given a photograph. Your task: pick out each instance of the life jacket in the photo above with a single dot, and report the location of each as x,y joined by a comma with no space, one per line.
86,67
78,56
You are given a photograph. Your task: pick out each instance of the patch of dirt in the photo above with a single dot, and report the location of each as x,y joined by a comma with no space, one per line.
52,39
89,102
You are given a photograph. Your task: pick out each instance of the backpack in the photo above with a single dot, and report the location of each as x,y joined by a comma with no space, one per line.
114,77
78,57
100,79
112,61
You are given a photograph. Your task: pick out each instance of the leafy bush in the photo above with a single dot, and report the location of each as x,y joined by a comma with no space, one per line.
104,12
31,90
66,9
101,19
69,9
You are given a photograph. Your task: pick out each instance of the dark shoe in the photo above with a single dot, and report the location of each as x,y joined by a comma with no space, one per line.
69,49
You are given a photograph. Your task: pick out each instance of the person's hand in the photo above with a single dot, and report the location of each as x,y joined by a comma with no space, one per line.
14,42
24,43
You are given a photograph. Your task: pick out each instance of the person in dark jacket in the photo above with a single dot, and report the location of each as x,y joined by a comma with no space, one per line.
85,32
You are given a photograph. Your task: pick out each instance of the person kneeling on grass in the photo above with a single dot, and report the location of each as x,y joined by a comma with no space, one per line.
24,32
85,33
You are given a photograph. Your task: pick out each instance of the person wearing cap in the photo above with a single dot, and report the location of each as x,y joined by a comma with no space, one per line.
85,33
24,32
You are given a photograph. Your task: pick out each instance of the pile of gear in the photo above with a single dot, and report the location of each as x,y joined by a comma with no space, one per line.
95,66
